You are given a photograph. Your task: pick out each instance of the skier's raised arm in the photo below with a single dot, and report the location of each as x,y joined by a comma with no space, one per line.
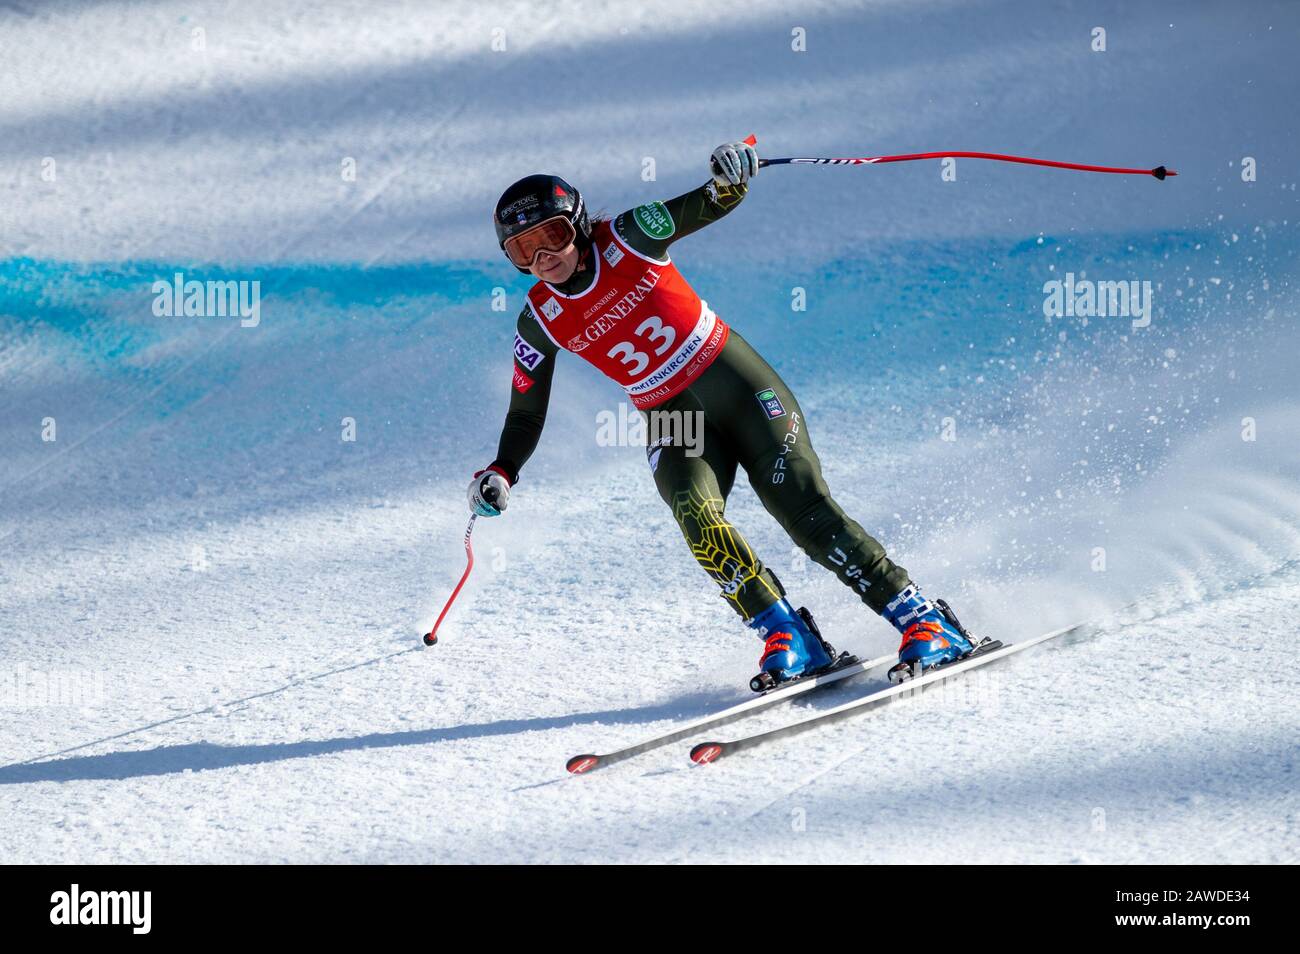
530,393
653,227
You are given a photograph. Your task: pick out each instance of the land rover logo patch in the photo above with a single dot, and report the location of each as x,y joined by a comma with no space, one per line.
654,220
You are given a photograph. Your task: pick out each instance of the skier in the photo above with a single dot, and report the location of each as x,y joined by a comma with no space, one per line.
608,291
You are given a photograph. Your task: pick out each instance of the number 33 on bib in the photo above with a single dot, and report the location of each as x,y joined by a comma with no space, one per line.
638,323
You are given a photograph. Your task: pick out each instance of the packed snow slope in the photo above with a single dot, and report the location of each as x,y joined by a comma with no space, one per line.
210,601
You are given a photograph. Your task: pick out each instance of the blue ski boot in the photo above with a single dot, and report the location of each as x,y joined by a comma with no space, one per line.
793,646
932,636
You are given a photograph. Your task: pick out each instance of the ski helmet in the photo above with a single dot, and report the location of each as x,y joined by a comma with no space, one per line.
535,199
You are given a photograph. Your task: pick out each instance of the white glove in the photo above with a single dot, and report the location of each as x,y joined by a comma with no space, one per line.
489,493
734,163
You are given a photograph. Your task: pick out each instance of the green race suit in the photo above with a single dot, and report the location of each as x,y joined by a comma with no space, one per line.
750,419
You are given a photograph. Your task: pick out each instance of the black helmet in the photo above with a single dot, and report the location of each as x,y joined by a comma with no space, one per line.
534,199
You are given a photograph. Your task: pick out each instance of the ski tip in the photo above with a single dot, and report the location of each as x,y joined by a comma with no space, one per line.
707,752
430,639
1161,173
582,763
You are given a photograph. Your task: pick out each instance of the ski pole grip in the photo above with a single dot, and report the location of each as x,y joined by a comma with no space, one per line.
750,140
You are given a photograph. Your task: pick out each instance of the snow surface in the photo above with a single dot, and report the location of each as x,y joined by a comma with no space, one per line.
236,593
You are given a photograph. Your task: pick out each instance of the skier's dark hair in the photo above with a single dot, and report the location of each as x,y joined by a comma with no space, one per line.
585,246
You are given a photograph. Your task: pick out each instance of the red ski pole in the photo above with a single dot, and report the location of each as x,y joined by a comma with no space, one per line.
1159,172
431,636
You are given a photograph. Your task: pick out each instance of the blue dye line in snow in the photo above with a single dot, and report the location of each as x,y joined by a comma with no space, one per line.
962,302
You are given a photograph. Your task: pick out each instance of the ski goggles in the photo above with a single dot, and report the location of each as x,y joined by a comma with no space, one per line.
553,235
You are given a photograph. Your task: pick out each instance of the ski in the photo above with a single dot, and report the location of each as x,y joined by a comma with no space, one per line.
581,764
707,752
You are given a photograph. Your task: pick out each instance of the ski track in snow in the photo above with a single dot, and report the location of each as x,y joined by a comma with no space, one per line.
1047,767
239,594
